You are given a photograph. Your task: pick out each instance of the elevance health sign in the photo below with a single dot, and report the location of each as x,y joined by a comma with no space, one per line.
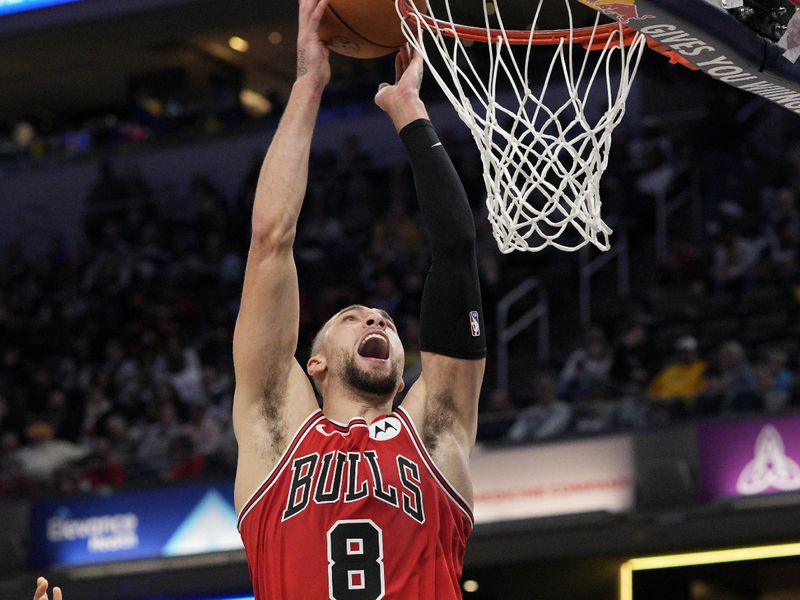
749,458
8,7
172,521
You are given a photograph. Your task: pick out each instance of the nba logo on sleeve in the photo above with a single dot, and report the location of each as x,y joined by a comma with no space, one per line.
474,323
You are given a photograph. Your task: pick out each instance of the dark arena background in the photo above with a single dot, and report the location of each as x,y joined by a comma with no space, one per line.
639,433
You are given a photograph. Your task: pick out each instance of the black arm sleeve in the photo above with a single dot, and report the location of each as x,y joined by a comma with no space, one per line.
451,315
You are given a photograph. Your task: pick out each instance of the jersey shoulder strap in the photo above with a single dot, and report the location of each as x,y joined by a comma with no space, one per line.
448,488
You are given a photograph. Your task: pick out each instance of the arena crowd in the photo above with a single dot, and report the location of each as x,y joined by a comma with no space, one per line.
115,364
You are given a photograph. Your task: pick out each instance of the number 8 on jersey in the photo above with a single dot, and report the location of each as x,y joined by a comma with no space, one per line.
355,561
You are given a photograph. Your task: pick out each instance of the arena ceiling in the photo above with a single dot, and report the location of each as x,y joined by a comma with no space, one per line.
81,66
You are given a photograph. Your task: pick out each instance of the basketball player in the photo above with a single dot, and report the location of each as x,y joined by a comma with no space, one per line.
355,501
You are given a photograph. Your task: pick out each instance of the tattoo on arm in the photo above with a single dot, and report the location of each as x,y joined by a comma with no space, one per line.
301,62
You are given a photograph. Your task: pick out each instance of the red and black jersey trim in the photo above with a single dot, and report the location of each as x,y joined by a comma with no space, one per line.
311,421
448,488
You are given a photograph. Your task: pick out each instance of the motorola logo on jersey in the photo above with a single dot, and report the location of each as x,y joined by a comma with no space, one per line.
353,477
385,429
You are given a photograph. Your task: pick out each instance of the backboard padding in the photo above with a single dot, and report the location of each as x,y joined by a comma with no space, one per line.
716,42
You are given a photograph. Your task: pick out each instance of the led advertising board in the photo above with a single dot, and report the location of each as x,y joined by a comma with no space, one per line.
8,7
554,479
749,458
173,521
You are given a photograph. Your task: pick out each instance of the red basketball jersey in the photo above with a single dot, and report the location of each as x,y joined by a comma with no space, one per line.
356,512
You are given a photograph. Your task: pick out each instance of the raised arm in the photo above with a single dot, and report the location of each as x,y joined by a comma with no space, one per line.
444,402
272,392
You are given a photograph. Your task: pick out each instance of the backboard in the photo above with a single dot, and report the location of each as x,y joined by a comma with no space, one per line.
752,46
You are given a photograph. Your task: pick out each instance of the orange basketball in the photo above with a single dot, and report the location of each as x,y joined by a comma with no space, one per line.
363,28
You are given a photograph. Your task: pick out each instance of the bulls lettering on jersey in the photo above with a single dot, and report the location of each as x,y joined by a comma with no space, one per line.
326,484
356,512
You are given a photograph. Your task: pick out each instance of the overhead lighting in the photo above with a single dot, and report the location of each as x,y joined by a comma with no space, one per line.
239,44
275,38
257,105
470,586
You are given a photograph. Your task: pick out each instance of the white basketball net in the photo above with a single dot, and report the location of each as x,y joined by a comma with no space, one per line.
542,164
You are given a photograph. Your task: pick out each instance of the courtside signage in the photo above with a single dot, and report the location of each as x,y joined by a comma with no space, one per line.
749,458
175,521
8,7
554,479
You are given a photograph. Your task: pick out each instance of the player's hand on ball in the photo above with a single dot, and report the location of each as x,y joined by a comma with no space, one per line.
41,590
312,54
409,70
401,100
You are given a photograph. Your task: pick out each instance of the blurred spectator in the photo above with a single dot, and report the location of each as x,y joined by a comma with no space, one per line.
679,382
180,367
13,478
732,386
632,358
205,430
97,405
120,440
783,235
64,419
156,439
777,362
547,418
586,372
774,382
782,208
43,455
763,390
595,416
684,266
783,244
736,378
734,259
386,296
657,171
8,418
497,418
102,470
185,463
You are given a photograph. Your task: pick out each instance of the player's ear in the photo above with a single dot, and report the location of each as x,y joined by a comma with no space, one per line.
316,365
402,386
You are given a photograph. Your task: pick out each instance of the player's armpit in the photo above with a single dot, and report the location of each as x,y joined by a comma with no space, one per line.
443,405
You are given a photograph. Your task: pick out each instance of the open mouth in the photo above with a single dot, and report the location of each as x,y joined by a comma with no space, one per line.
374,346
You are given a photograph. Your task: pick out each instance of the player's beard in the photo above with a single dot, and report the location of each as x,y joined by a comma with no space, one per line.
368,382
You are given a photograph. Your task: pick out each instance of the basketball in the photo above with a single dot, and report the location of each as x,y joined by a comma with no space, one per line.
363,28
